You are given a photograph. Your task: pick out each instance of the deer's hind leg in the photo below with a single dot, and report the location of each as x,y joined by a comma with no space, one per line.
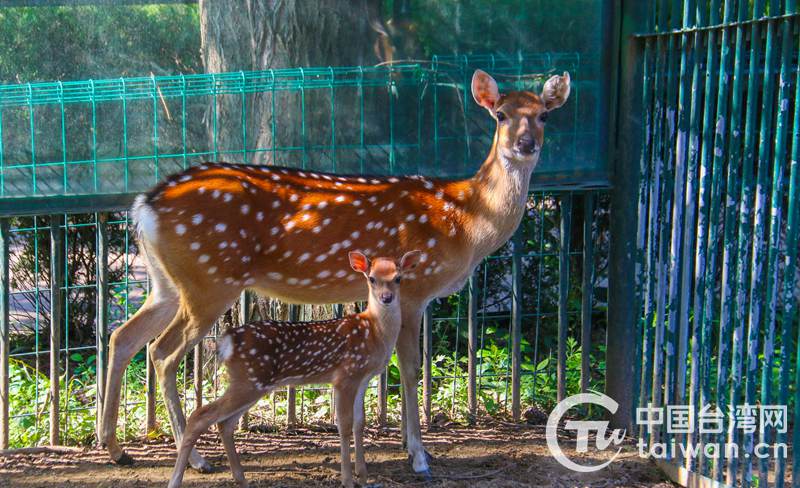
190,324
152,318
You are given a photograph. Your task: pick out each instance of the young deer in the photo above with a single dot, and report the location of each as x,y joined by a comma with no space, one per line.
346,352
216,229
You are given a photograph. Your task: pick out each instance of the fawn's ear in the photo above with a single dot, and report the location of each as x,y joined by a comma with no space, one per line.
410,260
556,91
359,262
484,90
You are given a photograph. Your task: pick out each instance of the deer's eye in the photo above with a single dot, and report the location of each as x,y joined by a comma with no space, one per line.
372,280
397,280
501,116
543,118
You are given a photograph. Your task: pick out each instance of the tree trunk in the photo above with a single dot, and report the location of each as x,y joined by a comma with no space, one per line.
262,35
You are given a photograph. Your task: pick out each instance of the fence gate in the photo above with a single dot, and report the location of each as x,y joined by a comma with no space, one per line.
717,234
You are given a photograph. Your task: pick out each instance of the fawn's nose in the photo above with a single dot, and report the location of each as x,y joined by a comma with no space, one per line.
526,145
387,297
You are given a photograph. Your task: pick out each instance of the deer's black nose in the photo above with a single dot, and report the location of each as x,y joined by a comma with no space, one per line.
387,297
526,145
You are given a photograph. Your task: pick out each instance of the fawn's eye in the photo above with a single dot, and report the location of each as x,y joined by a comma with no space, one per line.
543,118
501,116
372,280
397,280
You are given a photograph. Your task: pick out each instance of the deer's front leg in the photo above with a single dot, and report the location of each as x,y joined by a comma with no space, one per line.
358,433
408,354
345,398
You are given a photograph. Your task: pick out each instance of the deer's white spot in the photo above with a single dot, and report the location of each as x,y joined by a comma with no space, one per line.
197,219
227,197
321,258
356,203
291,281
339,199
431,242
305,217
326,221
203,258
323,274
303,257
245,209
246,259
276,204
410,218
259,216
220,227
223,244
212,270
201,190
290,225
316,229
423,218
274,275
215,194
194,246
355,234
341,273
293,198
322,204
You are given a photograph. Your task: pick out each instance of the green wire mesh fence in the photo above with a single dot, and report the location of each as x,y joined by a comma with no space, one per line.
718,230
73,155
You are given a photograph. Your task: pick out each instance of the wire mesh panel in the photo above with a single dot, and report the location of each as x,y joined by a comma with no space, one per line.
118,136
718,243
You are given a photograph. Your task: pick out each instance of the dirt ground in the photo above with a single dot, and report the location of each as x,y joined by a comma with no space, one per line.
498,455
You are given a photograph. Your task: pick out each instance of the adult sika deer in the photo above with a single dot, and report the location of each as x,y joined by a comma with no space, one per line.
216,229
346,352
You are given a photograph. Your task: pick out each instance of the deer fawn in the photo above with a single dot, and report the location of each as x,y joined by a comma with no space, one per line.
346,352
216,229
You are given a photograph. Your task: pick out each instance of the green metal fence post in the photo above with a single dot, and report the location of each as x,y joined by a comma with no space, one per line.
587,291
101,331
624,133
4,334
472,348
516,324
563,291
56,316
427,363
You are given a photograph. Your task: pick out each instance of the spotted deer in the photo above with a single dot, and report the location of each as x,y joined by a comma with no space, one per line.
345,352
216,229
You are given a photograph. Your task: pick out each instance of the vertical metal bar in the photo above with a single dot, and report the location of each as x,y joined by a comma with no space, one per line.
745,225
291,393
244,316
56,315
588,291
717,191
101,331
472,348
516,324
197,374
4,334
775,212
563,292
729,264
759,239
150,422
383,398
427,363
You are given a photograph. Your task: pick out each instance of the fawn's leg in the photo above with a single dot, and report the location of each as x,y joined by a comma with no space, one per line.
345,396
230,405
408,354
152,318
226,429
358,432
190,324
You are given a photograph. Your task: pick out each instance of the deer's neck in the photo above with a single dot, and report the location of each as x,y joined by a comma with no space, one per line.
500,190
385,322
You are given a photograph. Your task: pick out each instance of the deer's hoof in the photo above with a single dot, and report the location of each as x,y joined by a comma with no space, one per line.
424,473
205,468
124,459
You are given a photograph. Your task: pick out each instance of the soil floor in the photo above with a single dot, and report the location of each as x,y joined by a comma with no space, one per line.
496,455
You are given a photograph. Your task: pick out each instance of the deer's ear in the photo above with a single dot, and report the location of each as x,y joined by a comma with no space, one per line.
359,262
410,260
556,91
484,90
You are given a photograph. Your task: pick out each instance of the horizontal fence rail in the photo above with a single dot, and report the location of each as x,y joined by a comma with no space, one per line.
718,236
